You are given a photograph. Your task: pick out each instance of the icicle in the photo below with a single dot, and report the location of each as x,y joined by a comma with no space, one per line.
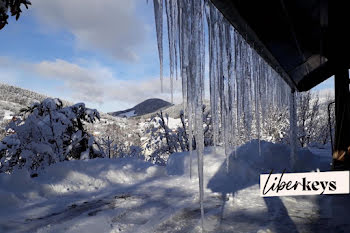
293,128
240,81
211,14
238,72
216,75
233,77
226,122
221,81
182,54
158,15
247,93
257,99
175,32
229,124
197,74
172,39
263,96
190,128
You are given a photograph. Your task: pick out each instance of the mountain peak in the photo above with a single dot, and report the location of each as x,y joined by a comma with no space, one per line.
145,107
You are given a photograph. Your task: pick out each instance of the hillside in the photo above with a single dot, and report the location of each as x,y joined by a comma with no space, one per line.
175,110
13,99
143,108
121,131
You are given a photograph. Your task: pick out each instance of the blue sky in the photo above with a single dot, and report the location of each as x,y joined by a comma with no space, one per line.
101,52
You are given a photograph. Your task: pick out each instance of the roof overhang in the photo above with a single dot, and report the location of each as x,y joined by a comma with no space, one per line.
301,40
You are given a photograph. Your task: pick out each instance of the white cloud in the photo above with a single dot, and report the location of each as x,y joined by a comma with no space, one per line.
111,26
136,91
94,83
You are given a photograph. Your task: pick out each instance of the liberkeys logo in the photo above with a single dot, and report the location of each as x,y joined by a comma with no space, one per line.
312,183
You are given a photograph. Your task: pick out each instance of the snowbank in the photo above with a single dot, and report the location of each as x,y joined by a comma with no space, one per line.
72,177
92,176
130,195
245,164
16,188
179,163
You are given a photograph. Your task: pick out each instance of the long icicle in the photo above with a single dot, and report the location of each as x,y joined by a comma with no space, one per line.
198,75
257,99
293,127
171,41
158,15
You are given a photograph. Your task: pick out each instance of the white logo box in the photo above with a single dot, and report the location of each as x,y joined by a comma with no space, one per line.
310,183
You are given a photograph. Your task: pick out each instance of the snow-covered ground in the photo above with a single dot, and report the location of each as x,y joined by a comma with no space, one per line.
8,115
129,195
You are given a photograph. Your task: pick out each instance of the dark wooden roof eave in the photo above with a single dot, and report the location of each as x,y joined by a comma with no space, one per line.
232,15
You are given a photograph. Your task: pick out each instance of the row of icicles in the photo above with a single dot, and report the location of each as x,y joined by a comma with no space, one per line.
241,83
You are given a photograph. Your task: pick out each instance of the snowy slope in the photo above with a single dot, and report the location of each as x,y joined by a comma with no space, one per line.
127,114
129,195
173,111
13,99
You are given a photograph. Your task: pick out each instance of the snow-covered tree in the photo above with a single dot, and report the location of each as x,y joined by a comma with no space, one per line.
313,119
47,132
118,138
275,128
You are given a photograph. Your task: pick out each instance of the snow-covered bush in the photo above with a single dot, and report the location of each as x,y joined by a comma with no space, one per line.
46,133
164,141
